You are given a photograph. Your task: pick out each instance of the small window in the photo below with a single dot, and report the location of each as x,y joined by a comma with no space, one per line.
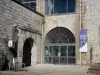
28,3
33,6
71,5
59,6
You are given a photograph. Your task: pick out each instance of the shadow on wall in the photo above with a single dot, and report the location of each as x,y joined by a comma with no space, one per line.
99,34
13,51
3,54
3,62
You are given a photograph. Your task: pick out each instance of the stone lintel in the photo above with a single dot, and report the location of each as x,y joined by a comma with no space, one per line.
32,30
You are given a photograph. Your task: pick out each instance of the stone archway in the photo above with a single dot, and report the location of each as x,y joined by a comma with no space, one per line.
60,46
27,51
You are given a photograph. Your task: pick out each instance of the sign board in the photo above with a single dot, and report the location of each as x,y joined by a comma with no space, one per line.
83,40
10,43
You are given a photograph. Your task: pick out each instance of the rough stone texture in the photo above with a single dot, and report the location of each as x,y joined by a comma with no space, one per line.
4,52
35,58
67,21
4,48
40,6
92,20
29,24
12,13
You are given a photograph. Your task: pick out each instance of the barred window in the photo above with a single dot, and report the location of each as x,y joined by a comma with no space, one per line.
28,3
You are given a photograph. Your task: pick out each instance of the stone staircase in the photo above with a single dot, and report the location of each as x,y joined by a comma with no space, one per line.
94,69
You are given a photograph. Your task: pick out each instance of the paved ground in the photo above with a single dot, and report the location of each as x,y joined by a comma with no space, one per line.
51,70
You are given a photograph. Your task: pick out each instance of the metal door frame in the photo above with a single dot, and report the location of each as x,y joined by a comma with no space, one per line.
60,45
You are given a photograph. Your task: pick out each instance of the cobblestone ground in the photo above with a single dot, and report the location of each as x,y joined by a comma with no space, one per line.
51,70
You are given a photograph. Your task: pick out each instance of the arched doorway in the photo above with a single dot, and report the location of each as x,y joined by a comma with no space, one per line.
27,51
60,46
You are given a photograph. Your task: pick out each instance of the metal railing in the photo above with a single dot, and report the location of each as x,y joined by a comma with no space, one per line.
15,65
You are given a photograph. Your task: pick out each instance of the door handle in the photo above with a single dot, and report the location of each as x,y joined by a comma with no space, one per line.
59,54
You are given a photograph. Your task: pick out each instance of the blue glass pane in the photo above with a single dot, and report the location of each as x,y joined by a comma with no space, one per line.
46,7
60,6
49,6
71,5
33,5
32,0
26,0
26,4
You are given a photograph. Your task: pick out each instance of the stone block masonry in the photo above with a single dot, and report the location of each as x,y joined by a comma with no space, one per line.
14,14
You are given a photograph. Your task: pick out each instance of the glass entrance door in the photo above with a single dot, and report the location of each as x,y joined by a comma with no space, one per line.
56,54
60,54
64,55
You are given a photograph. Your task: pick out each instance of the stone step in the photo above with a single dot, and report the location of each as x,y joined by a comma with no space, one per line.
95,66
92,71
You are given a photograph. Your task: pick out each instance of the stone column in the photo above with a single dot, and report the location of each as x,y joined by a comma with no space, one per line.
77,34
20,46
40,6
33,57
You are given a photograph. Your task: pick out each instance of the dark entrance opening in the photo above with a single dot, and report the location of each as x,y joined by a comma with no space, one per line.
27,51
60,46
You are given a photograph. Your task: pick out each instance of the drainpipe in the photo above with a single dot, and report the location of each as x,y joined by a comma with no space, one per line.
80,14
42,41
80,27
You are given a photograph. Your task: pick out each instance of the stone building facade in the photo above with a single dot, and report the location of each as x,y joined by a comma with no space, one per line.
25,26
17,23
85,17
92,22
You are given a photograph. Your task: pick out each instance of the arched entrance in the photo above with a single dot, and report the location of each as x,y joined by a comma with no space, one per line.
27,51
60,46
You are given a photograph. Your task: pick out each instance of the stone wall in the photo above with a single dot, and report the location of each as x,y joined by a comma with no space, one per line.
13,14
67,21
92,20
40,6
36,48
4,48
